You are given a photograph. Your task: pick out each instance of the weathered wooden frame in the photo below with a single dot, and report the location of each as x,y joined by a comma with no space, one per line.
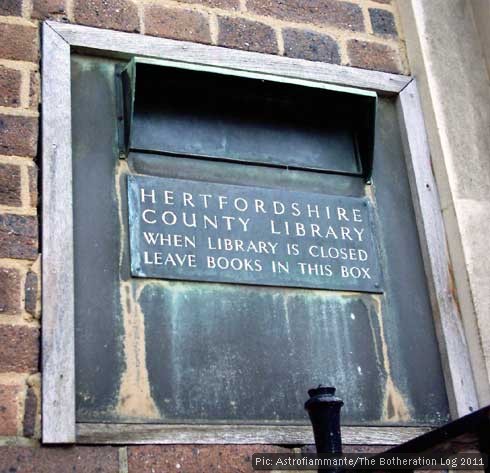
60,40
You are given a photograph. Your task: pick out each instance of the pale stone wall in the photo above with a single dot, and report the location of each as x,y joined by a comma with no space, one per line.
446,55
481,10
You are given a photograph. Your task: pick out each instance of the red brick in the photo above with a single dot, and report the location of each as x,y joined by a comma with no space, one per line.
9,408
246,34
11,7
196,458
177,23
18,236
49,9
33,186
59,460
30,292
9,291
310,45
30,413
225,4
375,56
10,80
34,90
22,44
383,22
18,135
19,349
10,185
344,15
114,14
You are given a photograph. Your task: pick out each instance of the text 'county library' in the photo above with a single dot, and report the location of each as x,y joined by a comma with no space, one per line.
210,207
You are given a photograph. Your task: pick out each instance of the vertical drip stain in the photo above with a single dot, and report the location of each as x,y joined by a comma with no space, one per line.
395,408
176,357
122,169
135,399
285,303
134,392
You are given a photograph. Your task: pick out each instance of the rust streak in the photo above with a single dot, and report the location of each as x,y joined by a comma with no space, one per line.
135,398
395,408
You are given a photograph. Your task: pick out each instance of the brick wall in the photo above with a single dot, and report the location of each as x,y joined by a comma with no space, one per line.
359,33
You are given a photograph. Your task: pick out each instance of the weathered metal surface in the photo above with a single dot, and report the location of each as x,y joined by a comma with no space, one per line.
406,318
218,117
250,175
203,231
98,327
156,351
237,351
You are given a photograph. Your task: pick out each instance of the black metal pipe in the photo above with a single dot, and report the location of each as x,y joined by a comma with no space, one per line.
324,411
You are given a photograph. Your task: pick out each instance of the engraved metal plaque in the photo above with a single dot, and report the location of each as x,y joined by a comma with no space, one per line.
204,231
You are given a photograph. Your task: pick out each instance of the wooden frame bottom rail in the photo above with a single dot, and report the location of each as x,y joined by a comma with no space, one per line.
235,434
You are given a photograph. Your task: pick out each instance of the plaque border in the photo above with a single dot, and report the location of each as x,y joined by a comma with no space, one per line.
59,41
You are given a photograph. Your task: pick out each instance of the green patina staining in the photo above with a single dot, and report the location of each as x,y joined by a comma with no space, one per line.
153,351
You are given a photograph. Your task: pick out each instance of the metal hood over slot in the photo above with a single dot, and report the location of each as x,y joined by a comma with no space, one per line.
203,114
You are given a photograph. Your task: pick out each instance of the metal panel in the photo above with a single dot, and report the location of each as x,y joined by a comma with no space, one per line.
137,333
248,354
250,175
96,248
